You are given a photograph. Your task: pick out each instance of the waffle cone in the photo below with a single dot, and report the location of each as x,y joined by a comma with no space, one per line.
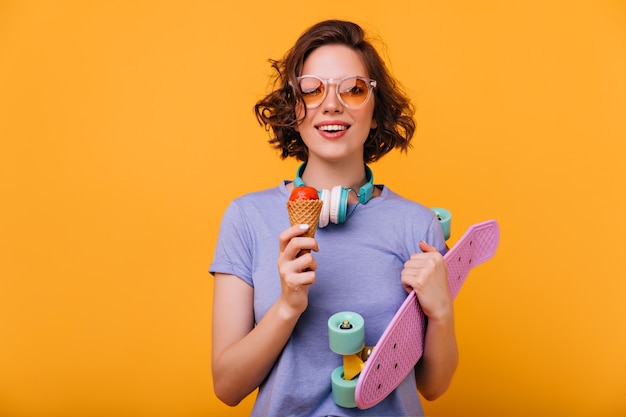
305,212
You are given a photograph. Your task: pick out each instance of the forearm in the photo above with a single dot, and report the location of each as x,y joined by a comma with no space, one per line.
434,371
241,367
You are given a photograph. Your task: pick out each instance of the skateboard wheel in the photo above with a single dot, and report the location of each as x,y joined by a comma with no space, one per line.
342,390
346,333
445,217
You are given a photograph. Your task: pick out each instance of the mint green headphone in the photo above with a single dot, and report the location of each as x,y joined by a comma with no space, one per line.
335,201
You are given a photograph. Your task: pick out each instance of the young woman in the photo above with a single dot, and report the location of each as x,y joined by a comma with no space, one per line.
335,108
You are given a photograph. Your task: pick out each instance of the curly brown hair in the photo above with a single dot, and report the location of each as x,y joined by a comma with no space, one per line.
393,110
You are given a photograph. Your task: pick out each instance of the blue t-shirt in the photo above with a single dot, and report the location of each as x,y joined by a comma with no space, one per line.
359,265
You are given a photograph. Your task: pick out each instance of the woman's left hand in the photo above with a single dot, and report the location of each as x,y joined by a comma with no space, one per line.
426,273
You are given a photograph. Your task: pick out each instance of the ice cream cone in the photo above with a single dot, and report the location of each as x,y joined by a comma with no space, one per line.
305,212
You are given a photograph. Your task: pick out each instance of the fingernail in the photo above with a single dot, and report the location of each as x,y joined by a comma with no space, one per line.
304,226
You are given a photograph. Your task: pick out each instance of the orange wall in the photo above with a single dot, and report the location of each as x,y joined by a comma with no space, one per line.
126,128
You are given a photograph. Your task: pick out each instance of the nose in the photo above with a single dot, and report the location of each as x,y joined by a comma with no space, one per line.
331,103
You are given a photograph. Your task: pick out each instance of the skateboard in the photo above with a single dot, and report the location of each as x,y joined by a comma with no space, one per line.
369,373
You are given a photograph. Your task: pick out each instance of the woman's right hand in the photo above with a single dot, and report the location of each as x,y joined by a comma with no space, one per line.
297,273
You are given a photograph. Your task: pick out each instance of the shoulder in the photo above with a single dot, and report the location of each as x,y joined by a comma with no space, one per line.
264,197
394,201
257,206
411,219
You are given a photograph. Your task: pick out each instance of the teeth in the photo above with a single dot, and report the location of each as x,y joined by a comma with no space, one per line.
329,128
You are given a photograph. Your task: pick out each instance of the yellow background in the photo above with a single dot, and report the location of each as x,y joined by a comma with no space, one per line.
126,128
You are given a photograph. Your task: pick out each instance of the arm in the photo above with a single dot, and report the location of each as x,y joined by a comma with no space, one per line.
243,354
426,274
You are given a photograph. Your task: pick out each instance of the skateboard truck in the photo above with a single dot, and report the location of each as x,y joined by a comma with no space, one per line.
346,337
365,379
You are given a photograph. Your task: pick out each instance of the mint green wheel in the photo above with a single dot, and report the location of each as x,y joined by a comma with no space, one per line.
346,333
445,218
342,390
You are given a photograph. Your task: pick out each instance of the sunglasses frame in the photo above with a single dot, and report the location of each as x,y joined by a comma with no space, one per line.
371,84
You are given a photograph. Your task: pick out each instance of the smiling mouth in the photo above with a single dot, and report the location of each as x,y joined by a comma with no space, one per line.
333,128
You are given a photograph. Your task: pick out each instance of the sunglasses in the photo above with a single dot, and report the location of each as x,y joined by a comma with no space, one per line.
352,91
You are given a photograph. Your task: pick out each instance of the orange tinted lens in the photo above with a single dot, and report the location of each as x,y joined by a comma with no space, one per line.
312,90
353,91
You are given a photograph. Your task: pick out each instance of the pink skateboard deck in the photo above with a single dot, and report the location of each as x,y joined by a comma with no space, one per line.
402,343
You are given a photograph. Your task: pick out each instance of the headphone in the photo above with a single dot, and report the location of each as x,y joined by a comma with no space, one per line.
335,201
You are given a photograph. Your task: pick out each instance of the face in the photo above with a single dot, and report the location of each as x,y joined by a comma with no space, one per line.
332,131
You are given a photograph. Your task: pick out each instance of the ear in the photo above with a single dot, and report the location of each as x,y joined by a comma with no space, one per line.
374,124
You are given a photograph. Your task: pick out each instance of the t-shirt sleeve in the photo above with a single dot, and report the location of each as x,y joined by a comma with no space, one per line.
435,237
232,252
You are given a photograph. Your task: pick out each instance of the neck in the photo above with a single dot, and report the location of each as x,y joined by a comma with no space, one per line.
327,175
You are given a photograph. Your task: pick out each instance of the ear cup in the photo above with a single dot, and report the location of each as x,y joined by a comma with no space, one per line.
366,192
325,214
338,204
334,205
